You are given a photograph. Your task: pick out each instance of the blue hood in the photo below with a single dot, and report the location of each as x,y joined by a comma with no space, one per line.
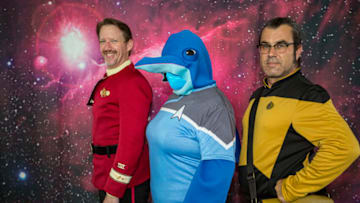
186,56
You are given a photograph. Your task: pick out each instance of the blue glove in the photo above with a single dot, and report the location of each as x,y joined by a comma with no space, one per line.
211,182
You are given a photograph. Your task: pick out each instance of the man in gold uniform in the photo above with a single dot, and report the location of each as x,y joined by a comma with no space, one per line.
298,141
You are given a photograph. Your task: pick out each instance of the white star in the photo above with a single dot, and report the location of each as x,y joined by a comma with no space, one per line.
22,175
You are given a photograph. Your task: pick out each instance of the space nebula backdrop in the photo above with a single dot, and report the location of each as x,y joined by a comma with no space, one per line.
50,61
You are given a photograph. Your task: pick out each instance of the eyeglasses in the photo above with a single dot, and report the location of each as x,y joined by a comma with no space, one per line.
279,47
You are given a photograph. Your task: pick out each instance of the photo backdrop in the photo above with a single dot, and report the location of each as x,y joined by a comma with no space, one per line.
50,61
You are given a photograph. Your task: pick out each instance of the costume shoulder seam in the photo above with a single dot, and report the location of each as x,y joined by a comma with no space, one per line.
315,93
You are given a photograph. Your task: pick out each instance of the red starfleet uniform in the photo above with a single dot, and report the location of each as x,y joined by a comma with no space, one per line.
121,104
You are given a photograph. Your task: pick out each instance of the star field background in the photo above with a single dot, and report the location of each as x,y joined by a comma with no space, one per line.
50,61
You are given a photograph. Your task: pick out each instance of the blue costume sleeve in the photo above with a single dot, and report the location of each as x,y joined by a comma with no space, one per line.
211,182
237,146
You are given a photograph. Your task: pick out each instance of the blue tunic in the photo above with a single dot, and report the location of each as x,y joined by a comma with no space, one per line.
187,130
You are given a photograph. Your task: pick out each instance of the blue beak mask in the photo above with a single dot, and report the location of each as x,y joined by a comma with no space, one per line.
185,62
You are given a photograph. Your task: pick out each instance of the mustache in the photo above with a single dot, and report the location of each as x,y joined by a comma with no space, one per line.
272,60
109,52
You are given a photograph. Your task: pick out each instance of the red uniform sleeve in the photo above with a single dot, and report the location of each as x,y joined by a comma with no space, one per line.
134,106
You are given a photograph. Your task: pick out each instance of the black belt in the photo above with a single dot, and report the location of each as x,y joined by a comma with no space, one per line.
102,150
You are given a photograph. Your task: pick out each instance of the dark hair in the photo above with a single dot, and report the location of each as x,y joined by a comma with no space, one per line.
295,28
122,26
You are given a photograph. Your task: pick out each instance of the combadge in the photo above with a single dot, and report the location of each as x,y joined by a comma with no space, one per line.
178,114
270,105
104,93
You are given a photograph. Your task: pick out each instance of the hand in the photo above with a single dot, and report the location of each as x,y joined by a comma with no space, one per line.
279,192
110,199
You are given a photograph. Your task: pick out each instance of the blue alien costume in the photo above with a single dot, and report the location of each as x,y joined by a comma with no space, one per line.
192,138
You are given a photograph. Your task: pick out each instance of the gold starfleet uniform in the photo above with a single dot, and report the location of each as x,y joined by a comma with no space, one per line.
294,119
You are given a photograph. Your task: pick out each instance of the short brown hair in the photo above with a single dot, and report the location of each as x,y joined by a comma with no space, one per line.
121,25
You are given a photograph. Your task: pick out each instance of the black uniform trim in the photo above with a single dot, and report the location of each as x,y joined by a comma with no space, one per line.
306,90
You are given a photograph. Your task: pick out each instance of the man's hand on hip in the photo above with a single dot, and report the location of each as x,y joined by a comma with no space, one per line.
279,192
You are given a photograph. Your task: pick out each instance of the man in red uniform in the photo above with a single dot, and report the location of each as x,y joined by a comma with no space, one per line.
121,103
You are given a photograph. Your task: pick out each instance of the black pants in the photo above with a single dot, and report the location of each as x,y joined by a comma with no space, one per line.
141,194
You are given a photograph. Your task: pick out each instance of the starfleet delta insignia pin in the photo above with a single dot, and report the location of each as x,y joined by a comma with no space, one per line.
270,105
178,114
104,93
